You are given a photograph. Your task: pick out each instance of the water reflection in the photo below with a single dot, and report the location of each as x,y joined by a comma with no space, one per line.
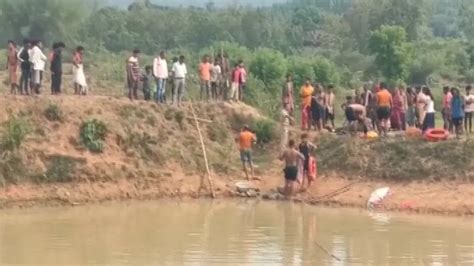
223,232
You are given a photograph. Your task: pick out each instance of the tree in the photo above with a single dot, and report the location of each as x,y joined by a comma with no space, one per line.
48,20
269,66
393,53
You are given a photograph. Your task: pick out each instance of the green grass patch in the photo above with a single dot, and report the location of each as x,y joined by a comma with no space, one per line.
92,135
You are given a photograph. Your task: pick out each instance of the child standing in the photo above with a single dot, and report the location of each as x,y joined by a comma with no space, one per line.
148,90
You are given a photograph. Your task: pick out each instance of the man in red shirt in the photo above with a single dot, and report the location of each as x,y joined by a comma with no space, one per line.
234,87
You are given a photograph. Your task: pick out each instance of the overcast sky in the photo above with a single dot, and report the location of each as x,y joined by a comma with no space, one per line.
219,3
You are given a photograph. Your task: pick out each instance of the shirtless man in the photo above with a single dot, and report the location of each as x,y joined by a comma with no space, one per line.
291,156
356,114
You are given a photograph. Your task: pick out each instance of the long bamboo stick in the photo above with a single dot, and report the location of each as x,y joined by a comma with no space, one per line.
203,147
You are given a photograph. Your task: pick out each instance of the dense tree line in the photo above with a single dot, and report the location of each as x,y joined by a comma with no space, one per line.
333,41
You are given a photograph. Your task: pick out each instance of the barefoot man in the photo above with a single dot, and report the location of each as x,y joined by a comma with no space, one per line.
246,139
291,156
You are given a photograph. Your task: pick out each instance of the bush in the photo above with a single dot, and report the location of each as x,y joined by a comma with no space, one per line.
11,168
92,135
269,66
15,131
61,169
264,129
53,113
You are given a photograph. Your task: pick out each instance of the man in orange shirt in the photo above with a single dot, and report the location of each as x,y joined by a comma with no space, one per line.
384,107
306,93
246,139
205,75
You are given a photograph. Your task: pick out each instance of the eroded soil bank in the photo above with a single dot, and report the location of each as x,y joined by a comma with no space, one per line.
446,198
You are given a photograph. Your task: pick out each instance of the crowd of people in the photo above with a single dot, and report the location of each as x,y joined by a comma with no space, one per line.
32,63
217,81
380,108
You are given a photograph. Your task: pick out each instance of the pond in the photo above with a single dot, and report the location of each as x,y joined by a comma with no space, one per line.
229,232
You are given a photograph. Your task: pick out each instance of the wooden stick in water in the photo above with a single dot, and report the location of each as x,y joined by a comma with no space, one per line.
327,252
203,147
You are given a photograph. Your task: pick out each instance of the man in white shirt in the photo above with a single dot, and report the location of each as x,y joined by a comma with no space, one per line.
38,61
160,71
179,72
216,80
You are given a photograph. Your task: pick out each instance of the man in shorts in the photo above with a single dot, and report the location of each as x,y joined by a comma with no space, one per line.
292,157
246,139
384,107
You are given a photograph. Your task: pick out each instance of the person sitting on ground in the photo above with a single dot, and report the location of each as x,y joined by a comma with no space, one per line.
147,79
457,110
291,157
384,106
305,148
246,139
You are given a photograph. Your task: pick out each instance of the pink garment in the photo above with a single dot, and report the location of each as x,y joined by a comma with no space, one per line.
236,76
396,116
243,76
447,100
160,68
305,117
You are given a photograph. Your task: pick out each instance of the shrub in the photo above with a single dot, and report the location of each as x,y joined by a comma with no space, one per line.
92,135
61,169
15,131
179,117
269,66
53,113
11,168
264,129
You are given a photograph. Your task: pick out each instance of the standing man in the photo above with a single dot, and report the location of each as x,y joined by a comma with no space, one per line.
38,60
179,75
160,71
56,68
306,93
330,102
234,87
287,93
243,80
446,112
384,107
133,75
205,76
225,67
12,64
468,109
246,139
292,157
318,108
216,72
24,57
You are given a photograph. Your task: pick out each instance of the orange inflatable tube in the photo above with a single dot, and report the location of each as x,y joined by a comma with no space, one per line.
436,134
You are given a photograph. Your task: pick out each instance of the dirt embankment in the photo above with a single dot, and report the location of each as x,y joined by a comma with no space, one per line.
150,151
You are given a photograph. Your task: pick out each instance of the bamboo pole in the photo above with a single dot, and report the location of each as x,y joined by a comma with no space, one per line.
203,147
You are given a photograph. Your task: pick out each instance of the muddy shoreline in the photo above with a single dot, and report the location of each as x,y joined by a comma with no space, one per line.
442,198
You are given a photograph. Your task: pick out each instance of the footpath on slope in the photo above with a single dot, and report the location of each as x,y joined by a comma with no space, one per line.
152,151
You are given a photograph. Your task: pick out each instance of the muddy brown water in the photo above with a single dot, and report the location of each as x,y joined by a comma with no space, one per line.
229,232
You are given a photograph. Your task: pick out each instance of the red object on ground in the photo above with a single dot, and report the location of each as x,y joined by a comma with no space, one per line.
436,134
